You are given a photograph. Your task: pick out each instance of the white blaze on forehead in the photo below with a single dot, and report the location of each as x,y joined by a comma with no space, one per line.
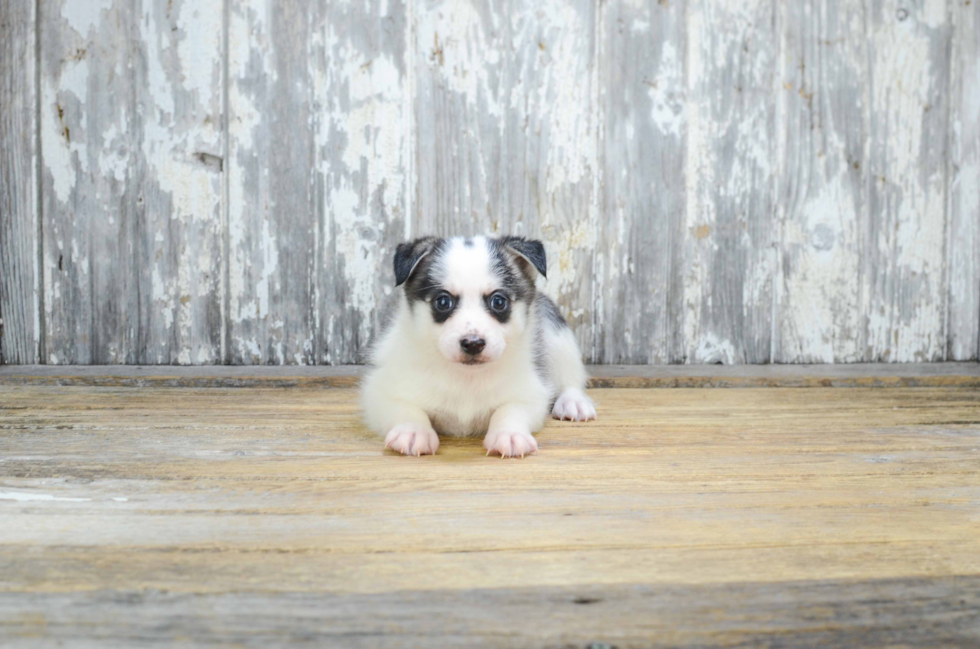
466,269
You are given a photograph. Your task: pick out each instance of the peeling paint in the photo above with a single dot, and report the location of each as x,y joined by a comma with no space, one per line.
667,92
729,176
84,16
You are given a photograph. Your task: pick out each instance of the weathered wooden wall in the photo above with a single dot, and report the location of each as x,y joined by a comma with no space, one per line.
726,181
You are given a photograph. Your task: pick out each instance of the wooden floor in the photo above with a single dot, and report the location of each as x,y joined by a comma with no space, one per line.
263,517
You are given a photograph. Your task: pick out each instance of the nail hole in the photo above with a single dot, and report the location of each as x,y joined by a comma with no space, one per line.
210,160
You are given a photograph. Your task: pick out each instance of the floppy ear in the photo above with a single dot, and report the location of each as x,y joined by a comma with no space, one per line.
529,252
408,256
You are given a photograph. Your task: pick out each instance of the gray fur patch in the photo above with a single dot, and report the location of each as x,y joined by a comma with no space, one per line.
549,312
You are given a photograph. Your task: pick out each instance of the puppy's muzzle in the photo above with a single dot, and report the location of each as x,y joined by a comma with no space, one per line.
472,345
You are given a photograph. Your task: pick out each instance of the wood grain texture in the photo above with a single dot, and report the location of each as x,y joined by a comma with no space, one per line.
318,180
728,249
907,375
131,181
272,211
923,612
963,252
715,181
20,327
507,135
365,140
904,263
822,97
643,97
700,516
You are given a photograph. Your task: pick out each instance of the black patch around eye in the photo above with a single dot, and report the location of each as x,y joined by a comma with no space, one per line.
440,312
501,314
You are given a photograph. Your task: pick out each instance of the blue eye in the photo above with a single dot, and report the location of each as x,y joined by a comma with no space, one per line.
443,302
499,302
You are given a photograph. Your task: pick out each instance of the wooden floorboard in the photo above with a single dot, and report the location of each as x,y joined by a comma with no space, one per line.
966,374
262,517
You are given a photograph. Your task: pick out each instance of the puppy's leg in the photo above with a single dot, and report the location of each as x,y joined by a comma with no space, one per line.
409,430
566,366
406,427
413,434
509,433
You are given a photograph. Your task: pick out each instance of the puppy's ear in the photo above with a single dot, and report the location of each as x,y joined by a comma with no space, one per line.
529,252
408,255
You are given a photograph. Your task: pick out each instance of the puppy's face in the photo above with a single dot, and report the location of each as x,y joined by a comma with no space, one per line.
470,296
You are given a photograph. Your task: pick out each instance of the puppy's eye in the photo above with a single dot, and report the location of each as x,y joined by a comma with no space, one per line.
443,302
499,302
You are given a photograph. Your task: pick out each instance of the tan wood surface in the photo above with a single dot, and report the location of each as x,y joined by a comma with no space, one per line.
262,517
869,375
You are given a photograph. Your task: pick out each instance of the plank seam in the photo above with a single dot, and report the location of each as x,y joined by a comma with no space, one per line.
865,290
40,332
780,216
597,173
412,185
225,181
668,268
948,195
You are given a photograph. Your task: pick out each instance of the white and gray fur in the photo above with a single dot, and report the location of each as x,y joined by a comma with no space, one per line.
471,348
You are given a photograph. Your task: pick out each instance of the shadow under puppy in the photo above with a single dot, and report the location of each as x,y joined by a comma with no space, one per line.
472,349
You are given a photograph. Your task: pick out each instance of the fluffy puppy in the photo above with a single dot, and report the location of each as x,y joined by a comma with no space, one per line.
472,349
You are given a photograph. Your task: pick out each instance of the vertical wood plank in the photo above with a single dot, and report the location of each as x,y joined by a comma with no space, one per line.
131,180
272,209
642,201
729,226
905,235
506,130
823,101
963,247
19,289
364,131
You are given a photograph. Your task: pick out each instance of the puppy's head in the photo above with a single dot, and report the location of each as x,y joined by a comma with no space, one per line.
471,296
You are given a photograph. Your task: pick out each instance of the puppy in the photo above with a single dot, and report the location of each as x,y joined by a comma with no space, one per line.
472,349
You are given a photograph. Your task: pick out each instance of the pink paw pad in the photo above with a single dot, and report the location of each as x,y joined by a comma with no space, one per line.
508,444
412,439
573,405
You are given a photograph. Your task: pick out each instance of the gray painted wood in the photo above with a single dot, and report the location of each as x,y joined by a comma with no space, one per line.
732,55
318,175
19,290
822,95
506,132
364,190
903,262
131,181
715,181
963,253
639,271
272,215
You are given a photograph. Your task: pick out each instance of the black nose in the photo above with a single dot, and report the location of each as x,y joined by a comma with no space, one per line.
472,345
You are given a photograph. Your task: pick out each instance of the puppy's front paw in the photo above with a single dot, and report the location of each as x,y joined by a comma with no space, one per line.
573,405
508,444
412,439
